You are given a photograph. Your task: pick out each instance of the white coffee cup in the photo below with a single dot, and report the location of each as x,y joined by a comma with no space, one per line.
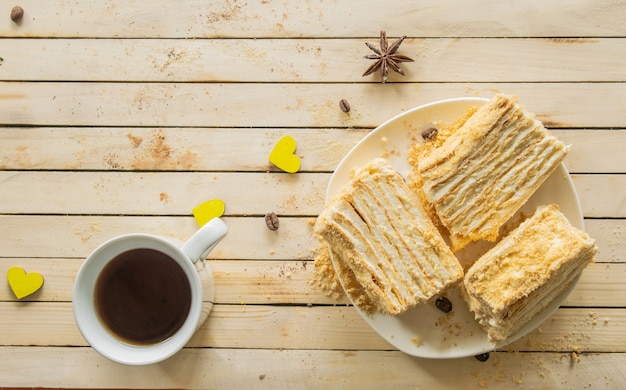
190,257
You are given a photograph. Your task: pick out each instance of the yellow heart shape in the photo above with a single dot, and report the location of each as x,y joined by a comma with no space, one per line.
208,210
283,155
23,284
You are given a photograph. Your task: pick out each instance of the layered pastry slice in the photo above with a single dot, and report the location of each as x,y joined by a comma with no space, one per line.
380,236
526,271
486,170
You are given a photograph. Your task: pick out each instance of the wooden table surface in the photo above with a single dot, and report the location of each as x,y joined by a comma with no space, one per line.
121,116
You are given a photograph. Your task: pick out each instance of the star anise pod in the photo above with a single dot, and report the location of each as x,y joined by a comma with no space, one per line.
386,57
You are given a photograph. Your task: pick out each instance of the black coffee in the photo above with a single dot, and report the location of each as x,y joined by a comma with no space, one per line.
143,296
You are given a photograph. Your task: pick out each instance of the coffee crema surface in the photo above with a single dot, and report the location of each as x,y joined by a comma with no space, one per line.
143,296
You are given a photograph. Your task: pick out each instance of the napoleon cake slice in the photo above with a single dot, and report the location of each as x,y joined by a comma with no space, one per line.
377,228
487,169
526,271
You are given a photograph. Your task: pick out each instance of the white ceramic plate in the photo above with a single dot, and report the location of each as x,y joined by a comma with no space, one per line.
424,330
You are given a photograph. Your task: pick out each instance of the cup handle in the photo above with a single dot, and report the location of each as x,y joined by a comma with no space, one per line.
204,240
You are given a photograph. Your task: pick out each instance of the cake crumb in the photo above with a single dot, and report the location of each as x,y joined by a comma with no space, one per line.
324,275
326,278
593,318
262,376
417,341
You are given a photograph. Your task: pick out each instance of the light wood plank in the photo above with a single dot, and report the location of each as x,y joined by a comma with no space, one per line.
594,151
601,196
315,60
289,282
601,284
558,105
228,18
610,238
58,274
297,369
237,281
576,330
316,327
598,330
77,148
166,193
76,236
177,149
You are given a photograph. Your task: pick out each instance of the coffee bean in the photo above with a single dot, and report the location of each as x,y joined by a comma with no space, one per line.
17,13
271,220
344,105
483,357
429,133
444,304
